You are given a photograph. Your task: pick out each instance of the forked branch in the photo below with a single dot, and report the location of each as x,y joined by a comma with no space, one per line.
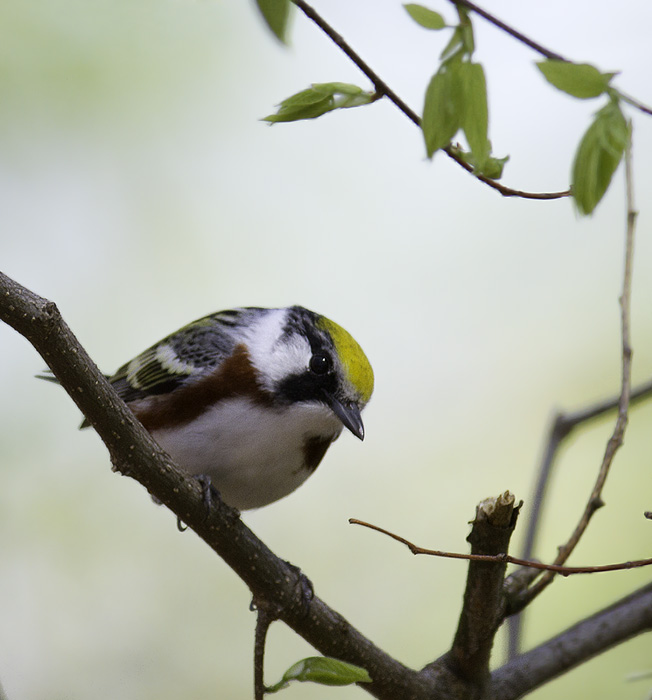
383,89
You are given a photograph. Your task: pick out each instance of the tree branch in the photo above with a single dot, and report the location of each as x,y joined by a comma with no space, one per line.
264,618
615,624
458,675
484,605
616,440
542,50
514,33
561,426
134,453
383,89
504,558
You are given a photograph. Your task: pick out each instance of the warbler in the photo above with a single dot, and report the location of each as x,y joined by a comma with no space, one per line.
250,397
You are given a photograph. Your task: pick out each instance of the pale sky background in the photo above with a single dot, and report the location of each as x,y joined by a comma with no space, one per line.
139,190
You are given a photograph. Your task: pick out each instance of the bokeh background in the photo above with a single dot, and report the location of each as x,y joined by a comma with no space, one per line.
140,190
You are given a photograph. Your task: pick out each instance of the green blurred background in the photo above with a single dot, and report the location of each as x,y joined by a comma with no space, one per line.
140,190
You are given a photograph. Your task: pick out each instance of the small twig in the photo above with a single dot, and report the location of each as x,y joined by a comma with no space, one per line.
264,619
508,558
634,102
505,191
542,50
511,31
383,89
561,426
616,439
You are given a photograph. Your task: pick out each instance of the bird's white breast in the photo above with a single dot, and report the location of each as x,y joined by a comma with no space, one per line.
253,454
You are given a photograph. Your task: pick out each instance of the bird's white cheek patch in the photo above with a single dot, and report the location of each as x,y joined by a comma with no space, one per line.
275,356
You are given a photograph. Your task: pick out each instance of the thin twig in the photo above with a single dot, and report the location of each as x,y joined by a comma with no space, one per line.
616,439
507,558
379,84
264,619
546,53
634,102
561,426
511,31
383,89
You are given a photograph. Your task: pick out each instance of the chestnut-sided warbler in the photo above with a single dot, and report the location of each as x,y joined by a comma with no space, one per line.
251,398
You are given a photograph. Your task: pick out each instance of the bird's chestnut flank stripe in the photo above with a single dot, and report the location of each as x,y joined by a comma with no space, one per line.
234,377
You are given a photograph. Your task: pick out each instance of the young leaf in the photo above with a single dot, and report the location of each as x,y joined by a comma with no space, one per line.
577,79
598,155
323,670
455,46
319,99
468,38
276,14
334,88
475,113
425,17
493,168
442,109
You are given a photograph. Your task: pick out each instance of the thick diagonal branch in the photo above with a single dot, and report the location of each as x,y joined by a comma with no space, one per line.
134,453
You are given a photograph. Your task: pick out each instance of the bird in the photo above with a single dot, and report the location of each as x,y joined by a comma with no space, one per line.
250,398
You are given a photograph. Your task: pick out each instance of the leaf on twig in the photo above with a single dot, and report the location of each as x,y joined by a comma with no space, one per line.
580,80
475,112
456,98
276,14
319,99
323,670
493,167
426,18
598,155
442,109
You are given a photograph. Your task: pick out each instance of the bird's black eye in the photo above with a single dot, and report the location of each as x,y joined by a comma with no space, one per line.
320,363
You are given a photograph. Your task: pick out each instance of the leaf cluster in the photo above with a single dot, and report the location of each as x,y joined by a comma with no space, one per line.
456,103
456,97
602,147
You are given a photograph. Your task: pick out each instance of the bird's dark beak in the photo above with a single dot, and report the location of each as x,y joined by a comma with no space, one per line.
349,414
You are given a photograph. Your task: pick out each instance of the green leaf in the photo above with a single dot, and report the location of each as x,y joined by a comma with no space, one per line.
323,670
493,167
598,155
442,109
319,99
425,17
577,79
475,112
276,14
468,39
334,88
454,48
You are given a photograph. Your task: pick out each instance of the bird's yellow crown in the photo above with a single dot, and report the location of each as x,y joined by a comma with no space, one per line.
355,362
